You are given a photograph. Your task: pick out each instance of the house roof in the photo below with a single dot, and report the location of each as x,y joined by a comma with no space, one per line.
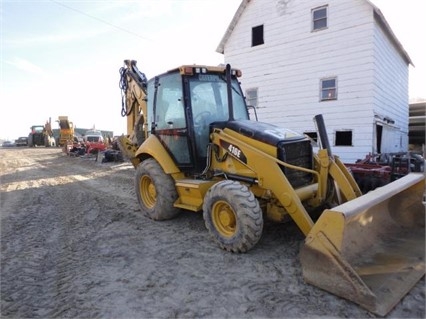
378,15
234,21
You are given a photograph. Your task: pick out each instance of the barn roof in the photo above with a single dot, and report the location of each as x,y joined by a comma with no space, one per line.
378,15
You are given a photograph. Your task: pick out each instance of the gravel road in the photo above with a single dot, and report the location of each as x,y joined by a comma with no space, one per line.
74,245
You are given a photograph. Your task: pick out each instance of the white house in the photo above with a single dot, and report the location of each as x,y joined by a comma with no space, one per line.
338,58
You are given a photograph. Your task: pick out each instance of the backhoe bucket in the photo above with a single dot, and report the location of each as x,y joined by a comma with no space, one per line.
370,250
128,149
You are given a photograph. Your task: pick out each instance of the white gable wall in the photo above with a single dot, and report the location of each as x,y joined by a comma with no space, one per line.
287,69
390,93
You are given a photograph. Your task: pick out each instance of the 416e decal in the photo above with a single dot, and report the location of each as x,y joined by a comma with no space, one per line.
233,150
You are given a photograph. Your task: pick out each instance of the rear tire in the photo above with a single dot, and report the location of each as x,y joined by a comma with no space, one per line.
155,190
233,216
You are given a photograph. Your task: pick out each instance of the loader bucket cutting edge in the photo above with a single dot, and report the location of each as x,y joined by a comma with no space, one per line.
370,250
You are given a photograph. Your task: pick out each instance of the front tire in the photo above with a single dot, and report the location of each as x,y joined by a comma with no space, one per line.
233,216
155,190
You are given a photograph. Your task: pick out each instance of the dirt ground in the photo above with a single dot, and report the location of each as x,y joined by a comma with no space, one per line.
74,245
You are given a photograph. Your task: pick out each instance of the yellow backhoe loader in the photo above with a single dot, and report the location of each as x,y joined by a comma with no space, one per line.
194,148
66,131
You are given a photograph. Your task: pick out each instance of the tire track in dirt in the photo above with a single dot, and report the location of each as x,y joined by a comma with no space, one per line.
74,244
51,239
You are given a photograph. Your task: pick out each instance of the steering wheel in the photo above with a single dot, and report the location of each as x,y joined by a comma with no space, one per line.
199,119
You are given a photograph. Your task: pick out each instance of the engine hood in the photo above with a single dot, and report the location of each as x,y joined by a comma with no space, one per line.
264,132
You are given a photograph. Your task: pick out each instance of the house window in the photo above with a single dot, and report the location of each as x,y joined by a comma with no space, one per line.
257,35
319,18
343,138
312,135
328,89
251,97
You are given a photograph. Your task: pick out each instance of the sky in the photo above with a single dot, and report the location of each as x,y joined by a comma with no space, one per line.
62,57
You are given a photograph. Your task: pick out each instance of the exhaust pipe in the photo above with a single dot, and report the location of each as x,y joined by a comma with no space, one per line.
322,133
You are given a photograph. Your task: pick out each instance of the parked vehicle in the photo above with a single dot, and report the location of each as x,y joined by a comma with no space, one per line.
194,148
22,141
66,131
8,144
41,135
94,141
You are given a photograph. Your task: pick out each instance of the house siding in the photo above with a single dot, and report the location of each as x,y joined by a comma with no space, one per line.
287,69
391,90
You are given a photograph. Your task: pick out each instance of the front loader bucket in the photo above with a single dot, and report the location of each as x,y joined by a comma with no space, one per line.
370,250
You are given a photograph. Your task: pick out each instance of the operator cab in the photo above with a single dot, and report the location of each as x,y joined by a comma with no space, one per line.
185,101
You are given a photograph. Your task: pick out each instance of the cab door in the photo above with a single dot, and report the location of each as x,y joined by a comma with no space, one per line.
170,124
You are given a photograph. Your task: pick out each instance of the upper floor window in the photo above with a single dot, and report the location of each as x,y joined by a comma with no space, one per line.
328,89
319,18
257,35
